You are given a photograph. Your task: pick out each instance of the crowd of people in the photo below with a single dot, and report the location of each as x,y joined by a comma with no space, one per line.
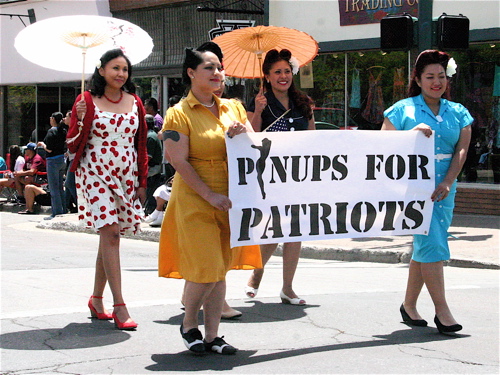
118,151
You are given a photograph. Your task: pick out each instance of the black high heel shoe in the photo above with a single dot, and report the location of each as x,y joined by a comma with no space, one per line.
446,329
410,321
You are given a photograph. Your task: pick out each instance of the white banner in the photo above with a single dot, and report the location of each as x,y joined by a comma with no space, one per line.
324,184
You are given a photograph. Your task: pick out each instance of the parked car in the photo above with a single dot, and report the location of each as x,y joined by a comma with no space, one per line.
330,118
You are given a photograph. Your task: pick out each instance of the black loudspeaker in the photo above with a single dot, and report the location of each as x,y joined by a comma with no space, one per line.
452,32
31,15
396,33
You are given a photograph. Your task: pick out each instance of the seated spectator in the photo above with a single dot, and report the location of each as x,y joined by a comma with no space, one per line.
33,163
32,194
162,196
3,166
16,165
54,145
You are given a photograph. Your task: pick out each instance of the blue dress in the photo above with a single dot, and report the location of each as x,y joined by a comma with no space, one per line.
452,118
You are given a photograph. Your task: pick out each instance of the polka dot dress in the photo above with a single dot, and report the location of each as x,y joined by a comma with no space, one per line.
107,177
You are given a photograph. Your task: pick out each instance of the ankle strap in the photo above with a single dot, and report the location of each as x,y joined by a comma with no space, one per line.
96,297
119,304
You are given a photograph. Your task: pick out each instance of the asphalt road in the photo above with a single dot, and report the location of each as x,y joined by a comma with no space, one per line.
351,324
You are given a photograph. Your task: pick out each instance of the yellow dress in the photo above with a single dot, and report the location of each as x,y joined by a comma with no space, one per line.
194,238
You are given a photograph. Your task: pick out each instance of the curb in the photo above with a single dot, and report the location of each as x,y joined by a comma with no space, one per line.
308,252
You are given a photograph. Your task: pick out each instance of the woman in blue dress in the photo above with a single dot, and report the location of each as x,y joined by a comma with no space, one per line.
428,110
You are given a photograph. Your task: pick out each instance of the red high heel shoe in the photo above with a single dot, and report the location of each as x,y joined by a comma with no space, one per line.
125,326
98,315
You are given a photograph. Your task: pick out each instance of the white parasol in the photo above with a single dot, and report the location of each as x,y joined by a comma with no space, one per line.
75,43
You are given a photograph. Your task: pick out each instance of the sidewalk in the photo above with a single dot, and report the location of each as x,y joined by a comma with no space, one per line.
475,242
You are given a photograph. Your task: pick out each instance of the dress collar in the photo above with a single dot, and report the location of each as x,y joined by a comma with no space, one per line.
271,97
443,105
192,101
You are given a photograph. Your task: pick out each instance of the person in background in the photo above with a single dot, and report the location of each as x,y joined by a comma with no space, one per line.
69,182
173,100
16,164
54,145
196,222
427,109
33,194
34,163
168,169
37,135
108,135
151,107
3,166
161,196
155,158
277,96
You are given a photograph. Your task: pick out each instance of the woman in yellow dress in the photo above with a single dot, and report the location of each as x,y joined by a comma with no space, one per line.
194,240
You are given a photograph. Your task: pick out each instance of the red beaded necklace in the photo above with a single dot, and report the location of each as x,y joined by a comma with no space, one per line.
115,101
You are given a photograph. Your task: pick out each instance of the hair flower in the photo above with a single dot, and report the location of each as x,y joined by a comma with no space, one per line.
451,68
98,64
294,64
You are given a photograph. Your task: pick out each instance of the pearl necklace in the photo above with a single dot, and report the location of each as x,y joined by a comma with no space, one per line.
115,101
208,106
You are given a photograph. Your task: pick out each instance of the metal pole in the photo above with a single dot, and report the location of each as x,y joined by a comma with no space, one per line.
345,91
424,25
409,65
36,113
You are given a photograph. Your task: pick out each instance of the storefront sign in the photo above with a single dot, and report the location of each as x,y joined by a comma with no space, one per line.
306,77
358,12
229,25
326,184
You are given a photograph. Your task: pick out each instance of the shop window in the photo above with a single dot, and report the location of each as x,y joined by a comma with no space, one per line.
377,80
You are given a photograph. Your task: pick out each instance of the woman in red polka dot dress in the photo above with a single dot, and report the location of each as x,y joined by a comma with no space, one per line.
108,134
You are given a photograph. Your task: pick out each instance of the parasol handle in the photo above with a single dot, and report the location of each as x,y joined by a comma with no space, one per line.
84,54
259,57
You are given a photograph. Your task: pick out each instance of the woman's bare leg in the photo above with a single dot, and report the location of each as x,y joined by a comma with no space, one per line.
413,288
291,255
109,250
266,253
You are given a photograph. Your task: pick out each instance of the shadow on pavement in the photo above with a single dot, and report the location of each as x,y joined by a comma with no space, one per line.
73,336
454,236
476,221
258,313
186,361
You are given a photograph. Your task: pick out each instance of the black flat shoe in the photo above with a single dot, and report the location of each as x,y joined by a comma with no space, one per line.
410,321
446,329
220,346
193,339
26,212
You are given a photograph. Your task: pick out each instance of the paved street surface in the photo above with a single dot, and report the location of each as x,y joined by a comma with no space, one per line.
351,323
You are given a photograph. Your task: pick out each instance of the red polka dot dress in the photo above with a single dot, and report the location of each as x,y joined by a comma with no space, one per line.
107,177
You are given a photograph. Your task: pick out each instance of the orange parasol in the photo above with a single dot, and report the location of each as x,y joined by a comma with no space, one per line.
244,49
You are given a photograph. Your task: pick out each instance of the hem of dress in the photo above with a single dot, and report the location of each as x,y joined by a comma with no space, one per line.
178,275
123,231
